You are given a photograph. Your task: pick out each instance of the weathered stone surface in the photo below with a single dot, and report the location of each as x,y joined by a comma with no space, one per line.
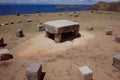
40,27
29,20
85,73
1,41
108,32
61,26
90,28
19,33
5,54
34,71
117,38
116,60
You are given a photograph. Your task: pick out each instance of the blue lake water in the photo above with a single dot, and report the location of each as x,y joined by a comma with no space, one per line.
32,8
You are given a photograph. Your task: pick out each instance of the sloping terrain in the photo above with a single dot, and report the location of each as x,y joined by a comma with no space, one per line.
105,6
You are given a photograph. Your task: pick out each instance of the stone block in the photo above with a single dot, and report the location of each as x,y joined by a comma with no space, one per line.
61,26
5,54
12,22
18,21
40,27
6,23
29,20
2,24
58,27
108,32
34,71
116,60
19,33
85,73
76,15
117,39
90,28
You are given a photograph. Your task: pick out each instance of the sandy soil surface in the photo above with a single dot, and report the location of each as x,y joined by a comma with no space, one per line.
61,60
40,45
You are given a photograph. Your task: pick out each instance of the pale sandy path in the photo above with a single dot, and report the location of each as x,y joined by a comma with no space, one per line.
41,45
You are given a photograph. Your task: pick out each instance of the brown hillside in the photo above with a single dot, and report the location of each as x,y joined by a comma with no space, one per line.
105,6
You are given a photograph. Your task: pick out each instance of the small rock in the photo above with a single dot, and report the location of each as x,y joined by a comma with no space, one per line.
29,20
116,60
12,22
2,24
6,23
5,54
117,38
76,15
40,27
85,73
90,28
19,33
18,21
108,32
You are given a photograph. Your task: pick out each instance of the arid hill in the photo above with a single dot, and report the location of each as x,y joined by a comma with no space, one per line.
106,6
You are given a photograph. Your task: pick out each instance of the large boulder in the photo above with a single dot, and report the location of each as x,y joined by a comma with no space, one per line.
5,54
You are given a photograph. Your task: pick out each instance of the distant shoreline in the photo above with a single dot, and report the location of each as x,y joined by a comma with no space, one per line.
31,9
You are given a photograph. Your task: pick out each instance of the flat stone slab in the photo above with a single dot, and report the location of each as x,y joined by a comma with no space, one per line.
5,54
116,60
61,26
34,71
85,73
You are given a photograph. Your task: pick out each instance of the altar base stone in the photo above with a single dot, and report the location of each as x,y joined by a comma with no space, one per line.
1,41
57,38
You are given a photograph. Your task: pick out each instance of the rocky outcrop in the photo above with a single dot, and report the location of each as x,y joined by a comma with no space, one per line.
106,6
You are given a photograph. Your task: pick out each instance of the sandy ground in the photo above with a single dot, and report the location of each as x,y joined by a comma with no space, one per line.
40,45
61,60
